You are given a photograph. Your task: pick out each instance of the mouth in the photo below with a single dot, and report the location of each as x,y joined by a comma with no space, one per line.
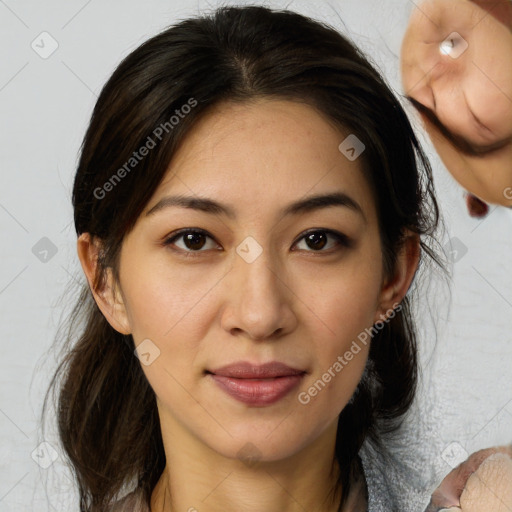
257,385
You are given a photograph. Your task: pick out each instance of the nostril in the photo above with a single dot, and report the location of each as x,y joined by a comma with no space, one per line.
476,207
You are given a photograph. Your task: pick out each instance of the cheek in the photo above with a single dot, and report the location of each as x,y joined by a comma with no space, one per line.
339,364
343,305
489,85
163,296
169,306
343,309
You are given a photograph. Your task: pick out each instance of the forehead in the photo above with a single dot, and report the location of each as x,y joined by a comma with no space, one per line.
265,152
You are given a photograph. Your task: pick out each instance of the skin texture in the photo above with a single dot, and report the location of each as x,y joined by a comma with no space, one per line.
482,483
291,304
469,91
492,482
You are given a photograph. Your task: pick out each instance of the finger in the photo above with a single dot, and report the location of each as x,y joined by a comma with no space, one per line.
490,487
449,492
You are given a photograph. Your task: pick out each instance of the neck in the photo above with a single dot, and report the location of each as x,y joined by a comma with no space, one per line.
198,479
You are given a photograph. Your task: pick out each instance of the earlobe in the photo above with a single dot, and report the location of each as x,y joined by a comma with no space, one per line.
396,286
107,293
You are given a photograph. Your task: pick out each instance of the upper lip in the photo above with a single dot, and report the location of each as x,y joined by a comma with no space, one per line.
247,370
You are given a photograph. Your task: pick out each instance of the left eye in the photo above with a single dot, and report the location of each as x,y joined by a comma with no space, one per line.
194,239
317,239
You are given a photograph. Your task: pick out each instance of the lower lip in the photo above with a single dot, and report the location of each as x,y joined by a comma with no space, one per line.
258,392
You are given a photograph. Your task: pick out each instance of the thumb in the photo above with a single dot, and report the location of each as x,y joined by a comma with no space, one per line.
448,494
489,488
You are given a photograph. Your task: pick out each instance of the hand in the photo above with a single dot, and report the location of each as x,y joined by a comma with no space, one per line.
483,483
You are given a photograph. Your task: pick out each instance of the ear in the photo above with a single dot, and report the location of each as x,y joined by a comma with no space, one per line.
395,286
108,294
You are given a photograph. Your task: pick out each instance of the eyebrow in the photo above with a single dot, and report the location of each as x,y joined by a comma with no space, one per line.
461,143
307,205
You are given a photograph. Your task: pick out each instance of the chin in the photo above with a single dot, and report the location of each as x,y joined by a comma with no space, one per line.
251,449
267,445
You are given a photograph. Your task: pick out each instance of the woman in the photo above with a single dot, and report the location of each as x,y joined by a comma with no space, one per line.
251,206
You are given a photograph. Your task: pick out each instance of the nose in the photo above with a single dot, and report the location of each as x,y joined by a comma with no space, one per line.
453,110
418,72
424,94
444,96
258,303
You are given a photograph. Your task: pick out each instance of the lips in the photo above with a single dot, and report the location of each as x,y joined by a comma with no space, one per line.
257,385
245,370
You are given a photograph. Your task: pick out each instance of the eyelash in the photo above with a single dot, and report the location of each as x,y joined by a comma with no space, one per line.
341,239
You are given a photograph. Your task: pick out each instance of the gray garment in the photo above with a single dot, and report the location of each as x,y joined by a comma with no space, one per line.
379,496
403,478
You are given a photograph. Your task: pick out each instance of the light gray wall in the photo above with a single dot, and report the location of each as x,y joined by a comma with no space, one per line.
45,104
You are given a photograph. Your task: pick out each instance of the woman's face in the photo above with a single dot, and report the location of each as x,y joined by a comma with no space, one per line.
457,62
252,288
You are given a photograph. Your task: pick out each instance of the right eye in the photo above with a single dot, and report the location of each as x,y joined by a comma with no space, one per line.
193,240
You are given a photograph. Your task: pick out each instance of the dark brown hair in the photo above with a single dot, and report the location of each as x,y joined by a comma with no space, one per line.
107,415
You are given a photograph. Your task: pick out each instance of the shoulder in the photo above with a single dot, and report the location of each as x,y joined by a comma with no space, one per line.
132,502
